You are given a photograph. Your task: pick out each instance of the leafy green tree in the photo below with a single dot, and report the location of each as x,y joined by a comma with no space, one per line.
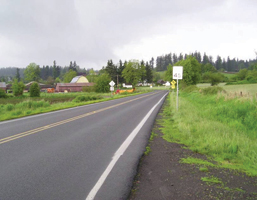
191,70
102,83
57,80
252,76
17,88
68,76
32,72
34,90
213,78
241,75
131,73
208,67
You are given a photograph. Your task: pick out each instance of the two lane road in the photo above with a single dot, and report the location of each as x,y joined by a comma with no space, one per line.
82,153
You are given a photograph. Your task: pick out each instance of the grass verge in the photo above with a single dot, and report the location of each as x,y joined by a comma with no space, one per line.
32,106
224,130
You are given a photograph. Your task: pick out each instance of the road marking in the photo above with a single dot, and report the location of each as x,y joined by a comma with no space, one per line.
120,152
33,131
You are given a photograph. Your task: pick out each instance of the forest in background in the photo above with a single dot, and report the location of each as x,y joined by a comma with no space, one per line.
55,73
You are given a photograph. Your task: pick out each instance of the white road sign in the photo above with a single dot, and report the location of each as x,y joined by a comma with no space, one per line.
178,72
111,88
111,83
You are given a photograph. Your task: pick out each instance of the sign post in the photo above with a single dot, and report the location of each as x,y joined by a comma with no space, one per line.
177,74
112,86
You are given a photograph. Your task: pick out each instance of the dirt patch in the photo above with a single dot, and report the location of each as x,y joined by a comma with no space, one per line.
161,175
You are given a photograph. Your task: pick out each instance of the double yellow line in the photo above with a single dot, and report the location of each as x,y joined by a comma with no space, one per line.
33,131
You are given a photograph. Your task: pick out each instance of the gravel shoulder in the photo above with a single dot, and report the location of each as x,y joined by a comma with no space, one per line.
161,175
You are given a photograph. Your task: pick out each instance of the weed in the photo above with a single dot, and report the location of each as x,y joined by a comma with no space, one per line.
147,151
212,180
191,160
153,135
204,169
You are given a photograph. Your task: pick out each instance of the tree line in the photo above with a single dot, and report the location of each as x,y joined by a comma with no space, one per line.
221,64
48,73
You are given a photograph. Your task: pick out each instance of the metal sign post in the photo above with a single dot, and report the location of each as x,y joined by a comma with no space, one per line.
112,86
177,74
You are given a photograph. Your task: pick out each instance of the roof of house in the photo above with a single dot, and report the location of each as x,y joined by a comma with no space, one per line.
2,84
76,79
74,84
33,82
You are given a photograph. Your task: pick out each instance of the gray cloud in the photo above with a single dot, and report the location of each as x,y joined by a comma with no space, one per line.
89,31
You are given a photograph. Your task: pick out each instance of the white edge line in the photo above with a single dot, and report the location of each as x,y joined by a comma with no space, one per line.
119,153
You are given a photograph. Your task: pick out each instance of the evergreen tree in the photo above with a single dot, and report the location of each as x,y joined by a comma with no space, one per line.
111,69
55,73
17,76
149,73
205,59
175,58
152,63
218,63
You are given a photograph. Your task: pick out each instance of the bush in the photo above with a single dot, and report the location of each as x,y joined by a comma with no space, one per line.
18,88
9,107
34,90
102,83
86,98
2,94
212,90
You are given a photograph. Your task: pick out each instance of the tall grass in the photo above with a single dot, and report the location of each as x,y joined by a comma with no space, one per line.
224,130
30,106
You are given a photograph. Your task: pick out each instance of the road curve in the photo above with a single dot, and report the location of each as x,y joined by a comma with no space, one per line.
87,152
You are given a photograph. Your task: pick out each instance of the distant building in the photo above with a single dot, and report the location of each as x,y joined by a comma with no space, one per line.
127,85
72,87
79,79
3,86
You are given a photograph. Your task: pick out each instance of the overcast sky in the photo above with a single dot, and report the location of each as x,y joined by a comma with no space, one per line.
91,32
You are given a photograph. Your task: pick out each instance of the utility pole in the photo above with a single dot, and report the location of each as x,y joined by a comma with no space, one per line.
117,81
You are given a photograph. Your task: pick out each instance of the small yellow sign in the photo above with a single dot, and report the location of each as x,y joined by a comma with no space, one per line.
173,84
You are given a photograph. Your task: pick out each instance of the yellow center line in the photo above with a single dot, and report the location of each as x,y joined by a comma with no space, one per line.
33,131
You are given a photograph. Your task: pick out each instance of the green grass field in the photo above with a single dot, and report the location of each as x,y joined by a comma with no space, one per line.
250,89
224,130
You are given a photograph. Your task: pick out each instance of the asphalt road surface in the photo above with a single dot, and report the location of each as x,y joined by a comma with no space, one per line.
82,153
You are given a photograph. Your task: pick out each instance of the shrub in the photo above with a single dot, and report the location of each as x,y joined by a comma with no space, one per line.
34,90
212,90
2,94
18,88
86,98
102,83
9,107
